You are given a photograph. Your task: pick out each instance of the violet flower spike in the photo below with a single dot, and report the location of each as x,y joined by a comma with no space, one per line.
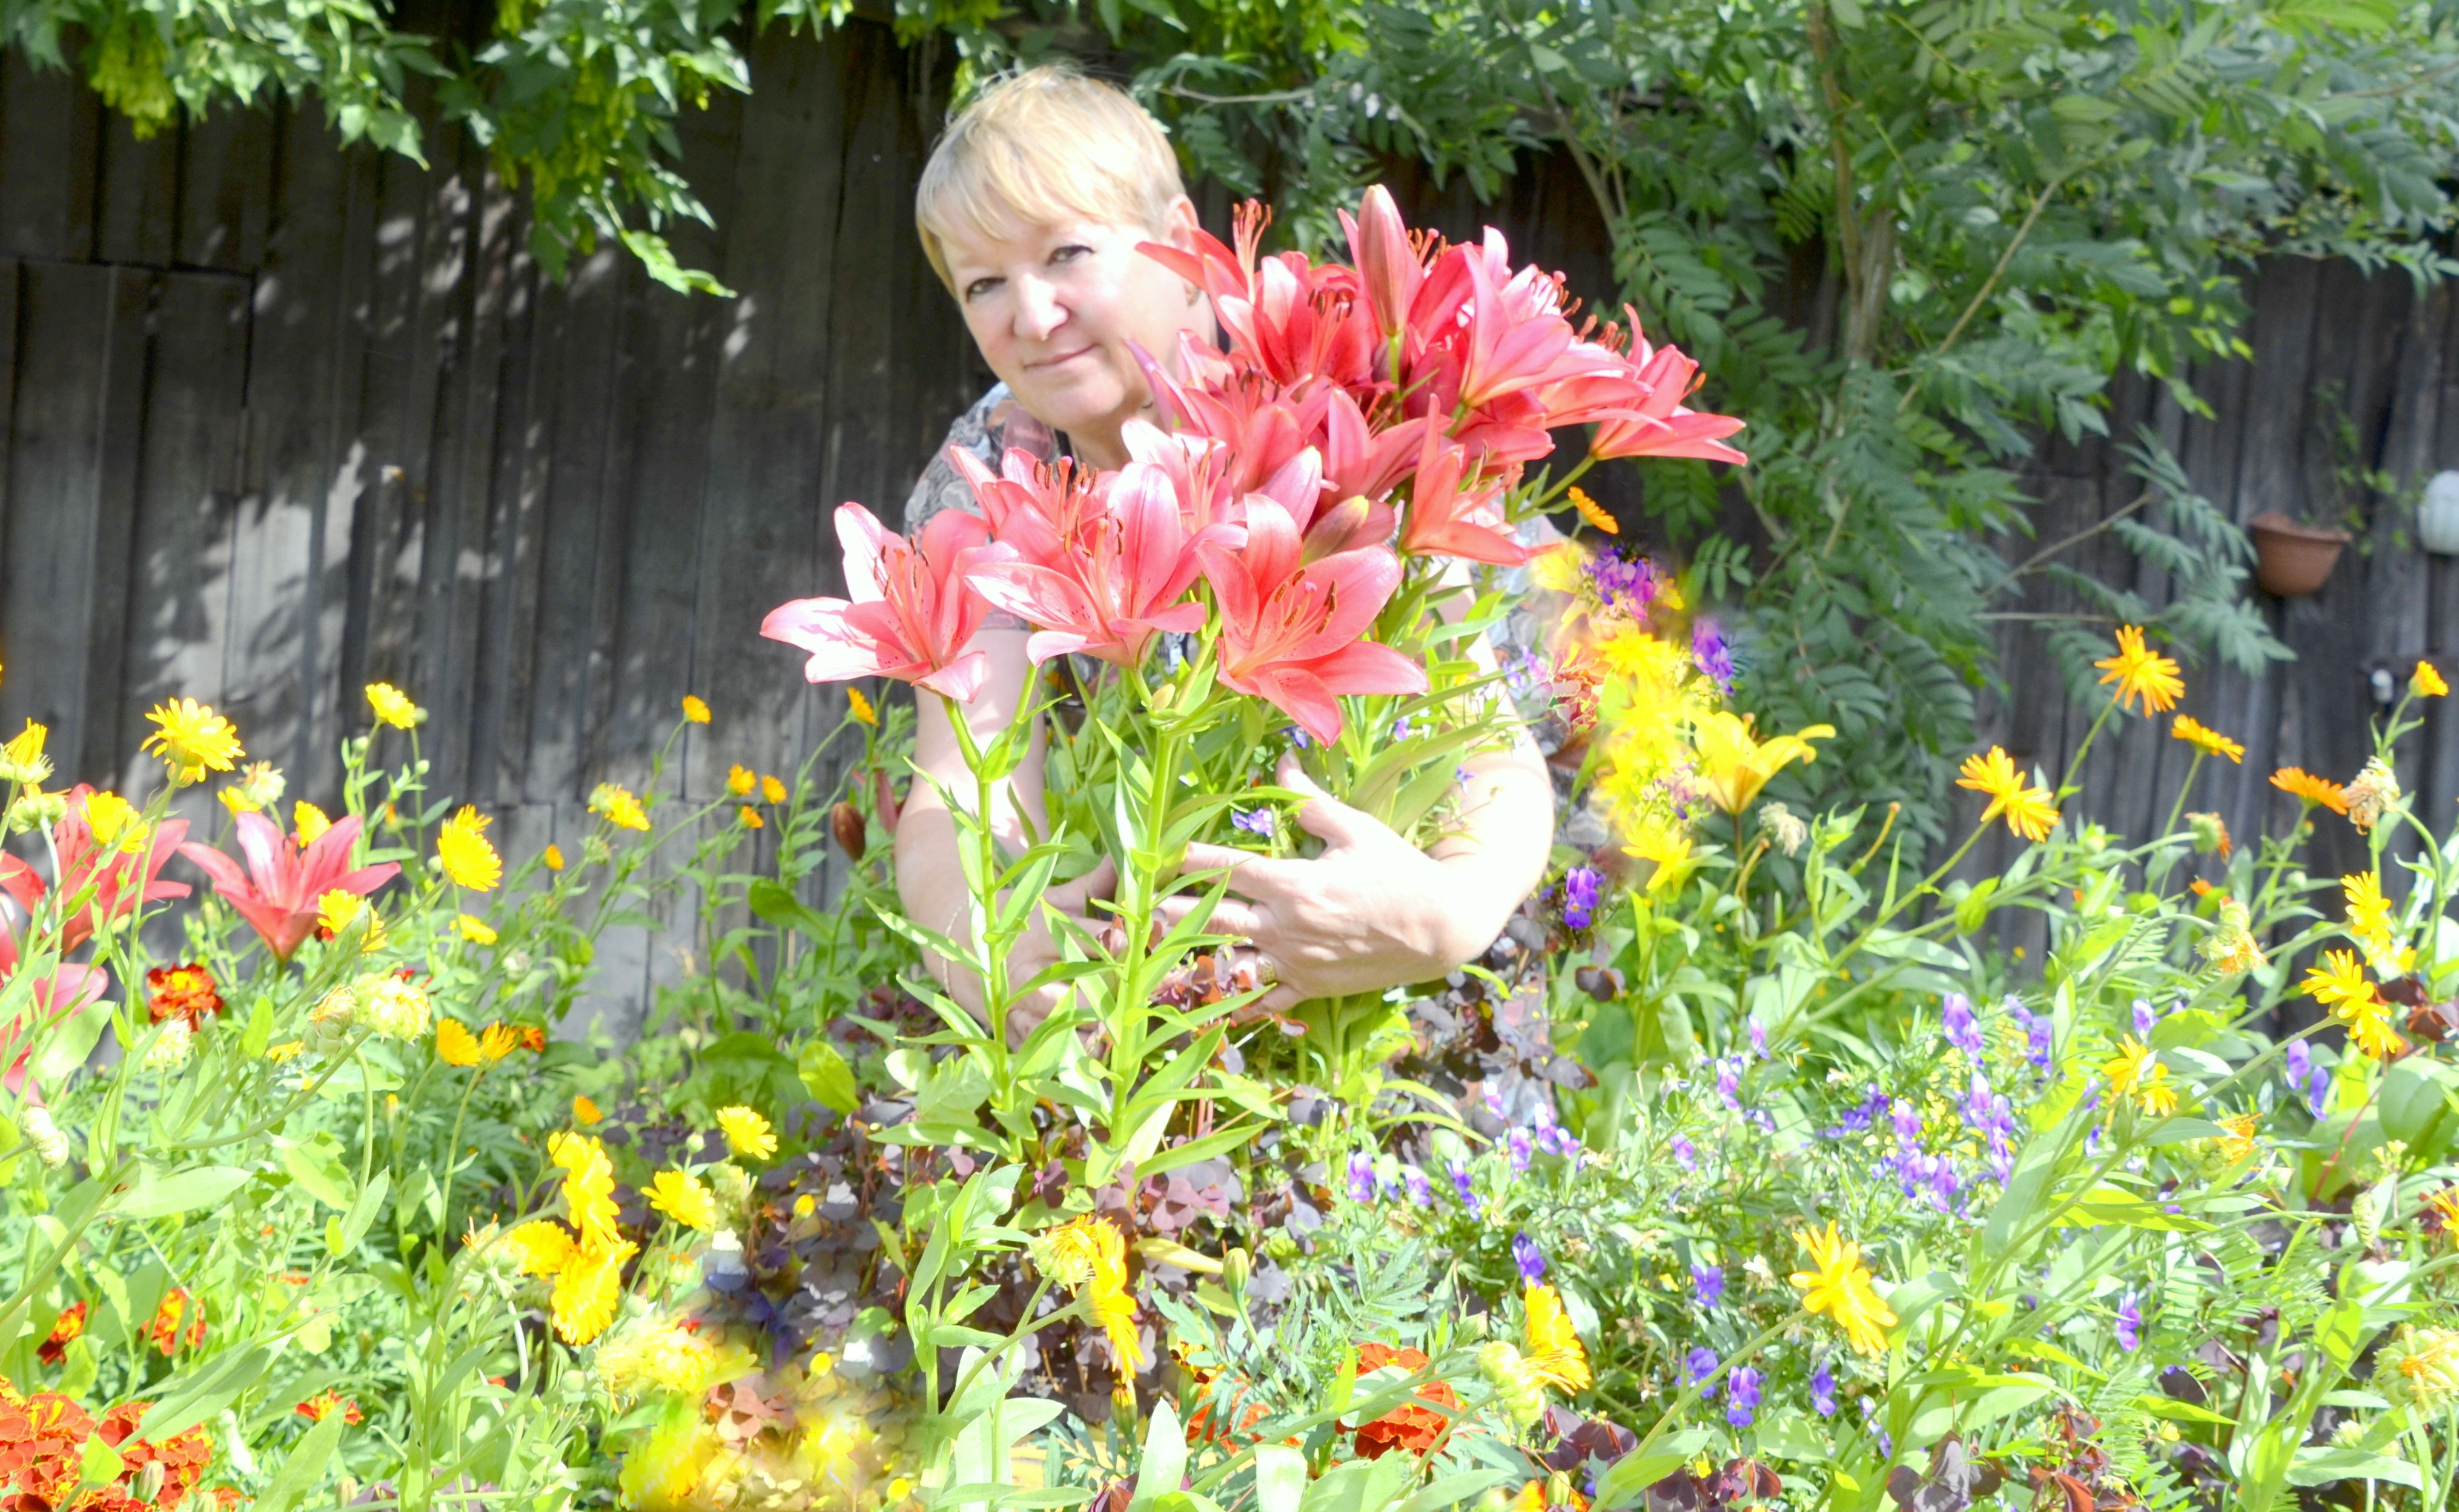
1822,1390
1257,821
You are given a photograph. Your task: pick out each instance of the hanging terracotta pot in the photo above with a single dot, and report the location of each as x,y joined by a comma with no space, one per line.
2292,559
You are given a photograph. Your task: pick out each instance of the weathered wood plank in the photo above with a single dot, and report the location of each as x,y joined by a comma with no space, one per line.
49,127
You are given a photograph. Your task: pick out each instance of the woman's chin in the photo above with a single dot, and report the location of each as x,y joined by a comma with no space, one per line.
1073,406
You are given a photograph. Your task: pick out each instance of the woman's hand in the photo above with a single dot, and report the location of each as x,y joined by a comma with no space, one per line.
1373,911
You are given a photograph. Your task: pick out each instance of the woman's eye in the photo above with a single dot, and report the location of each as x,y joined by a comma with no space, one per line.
982,286
1071,252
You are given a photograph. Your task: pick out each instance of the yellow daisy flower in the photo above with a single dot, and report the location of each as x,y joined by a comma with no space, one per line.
681,1197
463,850
392,707
307,823
1594,513
192,740
2205,738
2425,681
860,707
695,709
746,1132
1553,1352
455,1044
2030,811
1839,1286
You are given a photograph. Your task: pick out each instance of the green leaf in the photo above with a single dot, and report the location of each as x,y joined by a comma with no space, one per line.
317,1168
658,260
304,1469
2314,1467
826,1077
157,1194
1630,1476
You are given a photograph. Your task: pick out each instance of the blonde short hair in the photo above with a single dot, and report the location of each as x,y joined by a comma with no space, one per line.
1040,145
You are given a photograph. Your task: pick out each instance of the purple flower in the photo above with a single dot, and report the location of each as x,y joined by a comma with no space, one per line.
2318,1092
1624,582
1907,1119
1944,1185
2129,1324
1744,1393
1257,822
1710,1280
1467,1193
1822,1391
1362,1177
1420,1191
1530,1260
1714,657
1581,887
1521,1146
1697,1366
1686,1153
1963,1029
1298,737
2039,1035
1886,1443
1758,1038
2299,1065
1494,1102
1552,1137
2144,1018
1728,1082
1977,1105
1401,728
2091,1142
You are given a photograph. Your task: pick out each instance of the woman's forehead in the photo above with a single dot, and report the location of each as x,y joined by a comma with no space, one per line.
997,235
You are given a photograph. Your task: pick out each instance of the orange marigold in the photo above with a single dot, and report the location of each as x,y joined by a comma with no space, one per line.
1410,1426
186,992
172,1328
66,1331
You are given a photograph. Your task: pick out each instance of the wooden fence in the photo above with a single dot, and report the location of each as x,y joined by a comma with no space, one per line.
277,418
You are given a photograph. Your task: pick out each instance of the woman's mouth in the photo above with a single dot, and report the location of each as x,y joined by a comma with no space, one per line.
1063,359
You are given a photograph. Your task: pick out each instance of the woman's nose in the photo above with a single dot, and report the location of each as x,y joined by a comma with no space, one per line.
1038,311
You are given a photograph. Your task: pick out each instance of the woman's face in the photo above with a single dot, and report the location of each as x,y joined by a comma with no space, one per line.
1054,308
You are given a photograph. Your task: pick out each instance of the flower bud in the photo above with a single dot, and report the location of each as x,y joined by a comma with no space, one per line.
170,1049
846,821
50,1146
1522,1395
34,809
393,1008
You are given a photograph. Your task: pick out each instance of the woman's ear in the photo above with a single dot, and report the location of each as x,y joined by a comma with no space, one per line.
1180,223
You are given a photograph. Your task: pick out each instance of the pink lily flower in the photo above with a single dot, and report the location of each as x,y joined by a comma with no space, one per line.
279,892
1124,582
1291,631
1659,425
1288,317
1453,511
122,880
910,618
68,990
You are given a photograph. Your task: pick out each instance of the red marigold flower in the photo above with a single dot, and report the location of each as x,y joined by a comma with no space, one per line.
1409,1426
187,991
172,1328
71,1324
317,1408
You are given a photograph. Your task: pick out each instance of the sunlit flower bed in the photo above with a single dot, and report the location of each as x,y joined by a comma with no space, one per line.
1760,1162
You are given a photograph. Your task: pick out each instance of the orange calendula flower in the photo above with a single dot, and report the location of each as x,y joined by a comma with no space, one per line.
2237,1137
1594,513
2340,984
772,790
860,708
741,780
2141,673
1554,1354
498,1040
2030,811
746,1132
307,823
695,709
2306,788
750,817
2425,681
2205,738
554,858
583,1110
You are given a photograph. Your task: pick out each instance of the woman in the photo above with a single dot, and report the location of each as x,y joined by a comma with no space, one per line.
1031,209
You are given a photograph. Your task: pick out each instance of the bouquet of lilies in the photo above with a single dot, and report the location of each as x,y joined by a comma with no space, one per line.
1299,557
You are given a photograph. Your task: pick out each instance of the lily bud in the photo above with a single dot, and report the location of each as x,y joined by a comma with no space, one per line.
846,822
1335,529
